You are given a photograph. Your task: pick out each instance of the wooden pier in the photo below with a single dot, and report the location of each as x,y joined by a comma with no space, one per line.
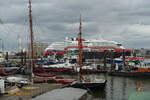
28,92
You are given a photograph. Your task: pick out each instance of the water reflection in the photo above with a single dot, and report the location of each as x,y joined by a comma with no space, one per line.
120,88
99,95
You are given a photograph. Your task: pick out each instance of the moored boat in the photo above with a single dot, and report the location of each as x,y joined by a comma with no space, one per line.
131,67
45,74
81,82
93,85
131,74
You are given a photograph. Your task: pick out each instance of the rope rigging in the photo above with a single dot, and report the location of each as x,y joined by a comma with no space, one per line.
4,73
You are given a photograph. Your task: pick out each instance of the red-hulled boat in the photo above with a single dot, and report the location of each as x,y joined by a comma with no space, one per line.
12,72
45,74
53,69
93,71
66,70
56,79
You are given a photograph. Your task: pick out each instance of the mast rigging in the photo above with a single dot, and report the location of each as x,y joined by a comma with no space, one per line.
80,46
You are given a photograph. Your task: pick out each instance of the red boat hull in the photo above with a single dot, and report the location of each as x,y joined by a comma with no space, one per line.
45,75
67,70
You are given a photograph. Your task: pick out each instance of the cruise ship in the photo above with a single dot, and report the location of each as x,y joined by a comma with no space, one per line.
71,44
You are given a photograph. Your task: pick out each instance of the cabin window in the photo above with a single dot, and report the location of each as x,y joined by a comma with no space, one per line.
119,45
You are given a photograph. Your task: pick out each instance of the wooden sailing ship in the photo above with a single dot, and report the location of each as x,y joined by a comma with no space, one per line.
82,83
42,76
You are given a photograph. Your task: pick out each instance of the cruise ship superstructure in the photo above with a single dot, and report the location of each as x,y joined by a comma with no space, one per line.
92,44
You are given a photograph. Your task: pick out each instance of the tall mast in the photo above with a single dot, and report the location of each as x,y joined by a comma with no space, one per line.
19,43
80,46
31,39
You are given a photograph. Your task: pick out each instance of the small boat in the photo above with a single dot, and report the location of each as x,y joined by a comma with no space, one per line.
18,81
45,74
10,71
56,79
134,67
139,72
65,81
42,69
98,84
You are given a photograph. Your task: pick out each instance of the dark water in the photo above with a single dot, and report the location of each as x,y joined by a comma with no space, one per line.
120,88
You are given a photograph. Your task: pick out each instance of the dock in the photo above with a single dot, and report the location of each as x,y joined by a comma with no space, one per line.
29,92
65,94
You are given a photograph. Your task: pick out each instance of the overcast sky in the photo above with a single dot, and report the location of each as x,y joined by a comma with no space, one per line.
124,21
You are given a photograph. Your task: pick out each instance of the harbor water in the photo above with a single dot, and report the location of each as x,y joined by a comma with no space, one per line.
119,88
122,88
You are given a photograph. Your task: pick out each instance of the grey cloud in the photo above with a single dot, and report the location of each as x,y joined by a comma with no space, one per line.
53,20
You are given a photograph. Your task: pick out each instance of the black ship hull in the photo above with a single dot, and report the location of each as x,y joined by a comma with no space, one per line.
89,85
130,74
